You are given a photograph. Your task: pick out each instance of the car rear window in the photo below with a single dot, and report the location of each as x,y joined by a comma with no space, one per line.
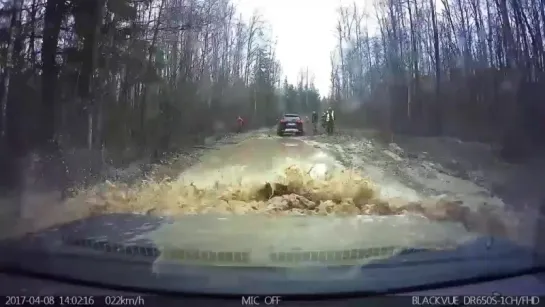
292,117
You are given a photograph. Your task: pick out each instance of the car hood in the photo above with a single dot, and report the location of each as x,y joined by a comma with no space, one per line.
256,236
306,240
223,254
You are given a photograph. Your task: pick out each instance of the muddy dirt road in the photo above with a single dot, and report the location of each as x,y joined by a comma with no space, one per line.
345,174
261,158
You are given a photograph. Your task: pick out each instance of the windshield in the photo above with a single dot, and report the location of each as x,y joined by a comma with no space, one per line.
429,135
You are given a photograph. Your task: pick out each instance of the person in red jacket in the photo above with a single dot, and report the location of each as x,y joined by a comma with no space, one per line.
240,123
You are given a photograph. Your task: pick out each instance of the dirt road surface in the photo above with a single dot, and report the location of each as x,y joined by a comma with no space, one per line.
442,179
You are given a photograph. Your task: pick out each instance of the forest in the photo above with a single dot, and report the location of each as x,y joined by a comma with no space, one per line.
140,78
472,69
135,78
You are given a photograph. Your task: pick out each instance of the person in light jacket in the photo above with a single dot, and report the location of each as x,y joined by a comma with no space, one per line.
330,120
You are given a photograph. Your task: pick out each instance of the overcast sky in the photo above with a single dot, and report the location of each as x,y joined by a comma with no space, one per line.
305,30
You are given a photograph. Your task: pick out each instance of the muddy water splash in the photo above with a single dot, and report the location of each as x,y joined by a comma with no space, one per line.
295,193
291,180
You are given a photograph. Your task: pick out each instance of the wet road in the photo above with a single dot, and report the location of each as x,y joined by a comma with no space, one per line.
261,159
264,157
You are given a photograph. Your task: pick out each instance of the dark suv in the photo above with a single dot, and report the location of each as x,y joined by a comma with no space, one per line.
290,124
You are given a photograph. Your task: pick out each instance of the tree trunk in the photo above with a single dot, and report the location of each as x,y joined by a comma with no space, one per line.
507,34
54,13
14,32
438,108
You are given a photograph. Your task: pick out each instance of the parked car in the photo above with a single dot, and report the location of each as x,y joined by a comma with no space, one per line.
290,124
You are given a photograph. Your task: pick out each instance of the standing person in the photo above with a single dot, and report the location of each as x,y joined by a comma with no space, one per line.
240,124
330,120
324,120
315,121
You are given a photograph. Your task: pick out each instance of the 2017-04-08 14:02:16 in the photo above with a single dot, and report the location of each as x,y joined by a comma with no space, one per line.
71,300
47,300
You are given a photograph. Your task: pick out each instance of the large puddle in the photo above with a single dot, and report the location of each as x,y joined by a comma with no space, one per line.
269,176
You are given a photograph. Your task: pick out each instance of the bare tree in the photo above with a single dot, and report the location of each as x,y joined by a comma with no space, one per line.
133,78
471,68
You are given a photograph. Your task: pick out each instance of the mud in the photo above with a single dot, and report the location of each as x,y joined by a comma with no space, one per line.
266,175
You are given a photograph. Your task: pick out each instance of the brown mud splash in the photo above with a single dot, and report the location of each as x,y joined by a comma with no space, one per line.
296,193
